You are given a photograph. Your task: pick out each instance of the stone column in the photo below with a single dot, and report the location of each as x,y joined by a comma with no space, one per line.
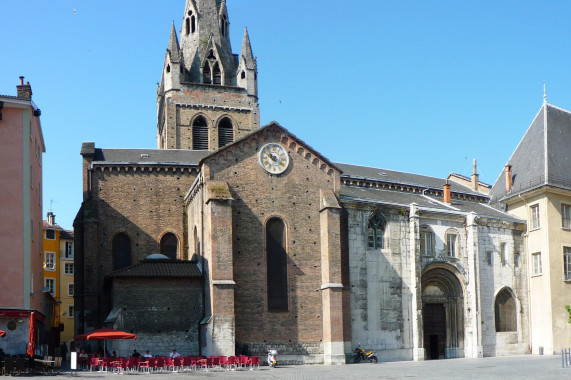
218,253
473,323
415,284
331,285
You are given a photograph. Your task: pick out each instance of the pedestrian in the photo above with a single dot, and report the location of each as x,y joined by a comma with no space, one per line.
148,354
174,354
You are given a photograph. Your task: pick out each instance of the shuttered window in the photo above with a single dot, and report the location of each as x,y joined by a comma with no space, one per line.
225,132
200,134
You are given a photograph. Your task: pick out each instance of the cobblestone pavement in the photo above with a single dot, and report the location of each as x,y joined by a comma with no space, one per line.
513,367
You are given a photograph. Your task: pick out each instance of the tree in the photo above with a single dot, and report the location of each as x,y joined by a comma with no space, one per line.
569,311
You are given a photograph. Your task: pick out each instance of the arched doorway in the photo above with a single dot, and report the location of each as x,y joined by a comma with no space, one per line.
442,313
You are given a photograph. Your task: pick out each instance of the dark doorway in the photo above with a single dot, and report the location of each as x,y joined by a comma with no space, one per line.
434,317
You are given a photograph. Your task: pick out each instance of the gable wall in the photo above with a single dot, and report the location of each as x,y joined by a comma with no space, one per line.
294,196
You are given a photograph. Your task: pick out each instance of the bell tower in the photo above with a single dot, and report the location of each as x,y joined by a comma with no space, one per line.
208,96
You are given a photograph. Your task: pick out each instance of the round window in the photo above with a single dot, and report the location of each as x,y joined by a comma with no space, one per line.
12,325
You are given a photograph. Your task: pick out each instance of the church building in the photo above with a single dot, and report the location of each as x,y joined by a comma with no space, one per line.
234,238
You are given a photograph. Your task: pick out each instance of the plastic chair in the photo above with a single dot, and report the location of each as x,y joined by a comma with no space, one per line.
255,362
244,361
132,364
160,363
178,364
232,362
147,364
94,363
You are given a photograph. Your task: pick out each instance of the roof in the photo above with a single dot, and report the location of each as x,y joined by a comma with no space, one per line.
404,199
45,224
542,157
66,234
150,156
159,268
391,176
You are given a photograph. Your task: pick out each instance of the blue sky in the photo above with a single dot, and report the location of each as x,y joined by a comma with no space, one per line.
415,86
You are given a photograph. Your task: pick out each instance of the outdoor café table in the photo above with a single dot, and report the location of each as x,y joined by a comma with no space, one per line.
45,363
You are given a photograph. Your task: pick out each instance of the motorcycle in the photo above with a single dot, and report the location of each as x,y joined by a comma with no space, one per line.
272,361
362,354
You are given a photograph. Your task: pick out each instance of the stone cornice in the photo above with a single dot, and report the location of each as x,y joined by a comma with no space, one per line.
407,188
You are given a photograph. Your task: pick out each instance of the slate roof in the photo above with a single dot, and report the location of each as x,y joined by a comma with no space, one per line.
364,172
159,269
404,199
542,157
150,156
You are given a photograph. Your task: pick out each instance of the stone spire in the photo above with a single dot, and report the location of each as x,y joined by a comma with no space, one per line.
247,74
205,42
174,47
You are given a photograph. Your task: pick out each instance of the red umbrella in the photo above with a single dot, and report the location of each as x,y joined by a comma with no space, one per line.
2,334
105,334
32,337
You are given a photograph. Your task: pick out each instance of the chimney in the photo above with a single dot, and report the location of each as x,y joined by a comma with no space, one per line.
24,90
508,178
447,192
475,177
51,218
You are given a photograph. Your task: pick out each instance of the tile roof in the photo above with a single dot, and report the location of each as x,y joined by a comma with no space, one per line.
66,234
159,268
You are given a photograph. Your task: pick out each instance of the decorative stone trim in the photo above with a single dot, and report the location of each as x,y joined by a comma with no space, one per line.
223,282
331,286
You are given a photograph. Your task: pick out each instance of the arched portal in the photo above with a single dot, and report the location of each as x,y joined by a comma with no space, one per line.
442,313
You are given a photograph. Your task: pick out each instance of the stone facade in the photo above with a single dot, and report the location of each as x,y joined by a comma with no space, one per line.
297,253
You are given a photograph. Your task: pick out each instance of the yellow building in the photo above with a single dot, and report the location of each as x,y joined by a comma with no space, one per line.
58,277
536,186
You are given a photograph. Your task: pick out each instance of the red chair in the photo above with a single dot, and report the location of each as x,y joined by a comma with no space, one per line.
94,363
244,361
255,362
169,364
232,362
160,363
132,364
147,364
106,363
119,365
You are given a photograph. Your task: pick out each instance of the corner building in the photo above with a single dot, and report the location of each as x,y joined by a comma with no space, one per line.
294,252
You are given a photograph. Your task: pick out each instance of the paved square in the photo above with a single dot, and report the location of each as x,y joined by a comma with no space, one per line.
513,367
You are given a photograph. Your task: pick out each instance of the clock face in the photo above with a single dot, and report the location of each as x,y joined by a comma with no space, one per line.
274,158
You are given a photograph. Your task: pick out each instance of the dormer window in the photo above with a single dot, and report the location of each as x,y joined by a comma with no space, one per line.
243,75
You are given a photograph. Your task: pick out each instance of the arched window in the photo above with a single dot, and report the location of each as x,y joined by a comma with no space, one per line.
225,132
192,24
206,74
187,26
121,250
452,243
217,75
506,318
376,237
200,134
243,75
426,241
169,245
276,265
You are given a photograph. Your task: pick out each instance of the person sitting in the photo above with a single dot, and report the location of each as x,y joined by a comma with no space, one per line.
135,354
147,354
114,355
174,354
